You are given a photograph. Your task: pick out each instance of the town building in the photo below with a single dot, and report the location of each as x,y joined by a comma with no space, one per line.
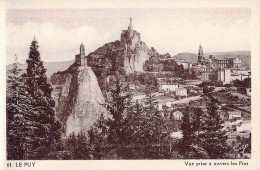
152,72
224,75
168,87
181,92
234,114
241,77
177,115
184,63
225,63
180,61
207,76
200,68
237,63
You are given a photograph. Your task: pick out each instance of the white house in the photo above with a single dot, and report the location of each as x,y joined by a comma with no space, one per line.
186,65
181,92
159,106
177,115
168,87
237,63
224,75
234,114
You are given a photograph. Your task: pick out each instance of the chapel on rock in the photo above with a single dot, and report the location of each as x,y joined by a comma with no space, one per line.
80,59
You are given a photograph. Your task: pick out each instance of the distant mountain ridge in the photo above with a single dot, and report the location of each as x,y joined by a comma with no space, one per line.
189,57
245,56
52,67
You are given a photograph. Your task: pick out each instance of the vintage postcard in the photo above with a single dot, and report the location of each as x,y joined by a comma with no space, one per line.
110,84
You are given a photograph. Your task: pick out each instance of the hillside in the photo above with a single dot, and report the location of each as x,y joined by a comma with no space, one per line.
189,57
245,56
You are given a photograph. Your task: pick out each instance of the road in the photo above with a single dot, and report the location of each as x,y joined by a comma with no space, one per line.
173,101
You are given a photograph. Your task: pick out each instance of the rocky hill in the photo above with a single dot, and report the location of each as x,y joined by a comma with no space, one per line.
189,57
79,94
80,90
126,56
79,104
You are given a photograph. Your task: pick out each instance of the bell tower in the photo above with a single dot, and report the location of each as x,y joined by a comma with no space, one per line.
80,59
200,55
82,55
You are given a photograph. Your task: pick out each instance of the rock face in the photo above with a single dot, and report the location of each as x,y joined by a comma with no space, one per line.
136,51
130,53
80,101
79,104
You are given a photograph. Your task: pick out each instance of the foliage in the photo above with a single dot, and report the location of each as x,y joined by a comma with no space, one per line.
211,83
37,129
147,79
208,90
214,138
203,135
132,132
77,147
158,64
246,83
190,146
15,100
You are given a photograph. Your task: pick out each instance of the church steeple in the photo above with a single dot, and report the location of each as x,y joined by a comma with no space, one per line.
200,54
82,49
81,59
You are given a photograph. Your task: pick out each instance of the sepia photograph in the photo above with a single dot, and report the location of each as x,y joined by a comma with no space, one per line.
128,84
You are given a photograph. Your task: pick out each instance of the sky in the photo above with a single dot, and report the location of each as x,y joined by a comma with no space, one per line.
61,31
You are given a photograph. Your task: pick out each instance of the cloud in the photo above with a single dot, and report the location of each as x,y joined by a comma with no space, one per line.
184,36
172,33
56,43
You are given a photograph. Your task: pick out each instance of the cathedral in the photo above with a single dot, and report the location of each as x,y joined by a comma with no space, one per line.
201,59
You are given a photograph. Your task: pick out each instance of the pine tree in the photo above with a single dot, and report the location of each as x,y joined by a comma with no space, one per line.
190,146
188,134
213,136
118,107
132,132
40,120
98,136
15,108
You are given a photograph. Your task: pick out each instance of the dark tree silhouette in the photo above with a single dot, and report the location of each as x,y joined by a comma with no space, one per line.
41,123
